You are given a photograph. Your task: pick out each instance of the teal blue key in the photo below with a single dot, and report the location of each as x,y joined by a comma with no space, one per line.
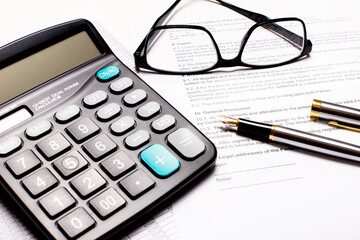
160,160
108,73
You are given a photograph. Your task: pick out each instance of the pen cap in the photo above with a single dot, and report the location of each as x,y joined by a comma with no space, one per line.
321,110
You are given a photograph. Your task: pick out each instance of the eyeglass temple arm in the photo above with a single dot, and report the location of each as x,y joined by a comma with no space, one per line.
158,22
257,17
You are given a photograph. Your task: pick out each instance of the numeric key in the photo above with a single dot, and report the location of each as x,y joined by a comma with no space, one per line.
118,164
40,182
70,165
83,130
100,147
107,203
54,146
76,223
23,163
57,202
88,183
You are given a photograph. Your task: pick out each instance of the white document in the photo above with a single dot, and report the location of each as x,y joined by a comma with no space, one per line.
271,191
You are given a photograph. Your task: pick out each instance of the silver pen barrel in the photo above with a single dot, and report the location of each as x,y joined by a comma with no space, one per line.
336,115
315,143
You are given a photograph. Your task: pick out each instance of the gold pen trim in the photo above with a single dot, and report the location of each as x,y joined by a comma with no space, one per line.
272,133
315,110
230,121
344,126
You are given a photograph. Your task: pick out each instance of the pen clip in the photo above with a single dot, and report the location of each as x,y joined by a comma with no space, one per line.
344,126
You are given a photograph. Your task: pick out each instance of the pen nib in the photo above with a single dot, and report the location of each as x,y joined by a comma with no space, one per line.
228,120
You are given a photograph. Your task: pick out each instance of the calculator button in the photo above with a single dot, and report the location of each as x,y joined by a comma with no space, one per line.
137,184
76,223
67,114
70,165
40,182
95,99
149,110
54,146
137,139
107,203
23,163
88,183
186,143
100,147
135,97
83,130
121,85
108,73
38,129
10,145
123,125
163,123
160,160
117,165
108,112
57,202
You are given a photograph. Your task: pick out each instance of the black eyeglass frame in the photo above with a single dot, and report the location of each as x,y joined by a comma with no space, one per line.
261,20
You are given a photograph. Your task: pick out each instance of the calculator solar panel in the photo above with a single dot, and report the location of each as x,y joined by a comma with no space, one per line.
86,147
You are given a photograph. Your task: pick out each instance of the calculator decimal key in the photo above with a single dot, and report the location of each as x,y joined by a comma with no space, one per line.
67,114
76,223
107,203
88,183
57,202
70,164
23,163
137,183
40,182
83,130
54,146
10,145
118,165
100,147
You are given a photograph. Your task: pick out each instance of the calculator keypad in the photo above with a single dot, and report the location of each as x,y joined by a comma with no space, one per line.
100,154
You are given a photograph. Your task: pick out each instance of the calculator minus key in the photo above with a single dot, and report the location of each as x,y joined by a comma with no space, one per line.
76,223
137,139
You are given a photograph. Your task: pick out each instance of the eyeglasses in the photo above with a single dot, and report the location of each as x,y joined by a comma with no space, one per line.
191,49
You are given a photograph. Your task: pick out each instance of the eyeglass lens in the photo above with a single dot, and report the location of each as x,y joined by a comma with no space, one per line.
190,49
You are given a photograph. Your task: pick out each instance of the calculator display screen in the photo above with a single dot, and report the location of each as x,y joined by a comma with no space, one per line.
46,64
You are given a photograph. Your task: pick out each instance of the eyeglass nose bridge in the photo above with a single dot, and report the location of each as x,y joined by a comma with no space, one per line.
233,62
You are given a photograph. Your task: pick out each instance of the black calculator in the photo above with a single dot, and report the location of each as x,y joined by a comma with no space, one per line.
88,149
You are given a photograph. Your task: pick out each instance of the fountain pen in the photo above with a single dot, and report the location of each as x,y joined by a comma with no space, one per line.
274,133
